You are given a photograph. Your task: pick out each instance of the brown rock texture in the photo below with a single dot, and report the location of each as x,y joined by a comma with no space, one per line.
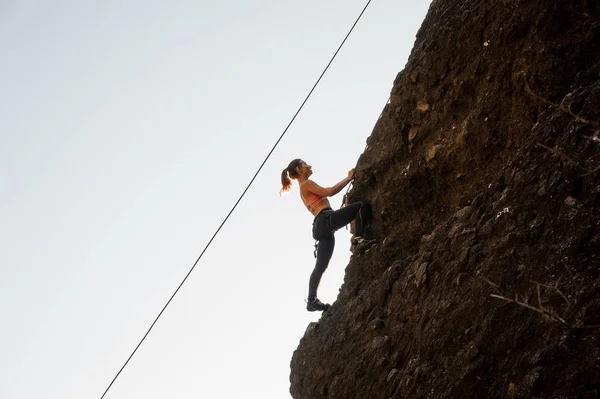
483,176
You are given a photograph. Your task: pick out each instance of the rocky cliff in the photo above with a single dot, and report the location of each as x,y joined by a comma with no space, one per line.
483,172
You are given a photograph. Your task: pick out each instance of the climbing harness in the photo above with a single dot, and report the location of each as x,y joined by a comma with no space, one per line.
344,203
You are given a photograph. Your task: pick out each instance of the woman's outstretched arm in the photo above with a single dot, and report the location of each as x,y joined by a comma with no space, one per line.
329,191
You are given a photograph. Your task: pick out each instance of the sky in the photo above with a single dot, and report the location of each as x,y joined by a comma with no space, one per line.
128,130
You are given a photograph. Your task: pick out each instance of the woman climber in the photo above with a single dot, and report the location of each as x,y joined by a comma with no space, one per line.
326,221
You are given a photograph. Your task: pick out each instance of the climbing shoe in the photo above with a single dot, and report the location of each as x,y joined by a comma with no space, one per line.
360,245
315,304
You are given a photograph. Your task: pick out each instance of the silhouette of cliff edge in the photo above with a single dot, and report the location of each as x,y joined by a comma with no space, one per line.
483,176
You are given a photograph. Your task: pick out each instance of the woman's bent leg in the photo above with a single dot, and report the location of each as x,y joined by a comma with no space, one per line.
345,215
324,252
363,220
359,212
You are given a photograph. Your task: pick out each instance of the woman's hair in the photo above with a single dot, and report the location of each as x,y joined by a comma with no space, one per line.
290,171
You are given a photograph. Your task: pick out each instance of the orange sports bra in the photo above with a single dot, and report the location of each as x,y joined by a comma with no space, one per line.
311,199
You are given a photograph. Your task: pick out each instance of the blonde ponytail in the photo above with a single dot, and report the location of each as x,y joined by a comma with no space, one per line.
286,183
288,174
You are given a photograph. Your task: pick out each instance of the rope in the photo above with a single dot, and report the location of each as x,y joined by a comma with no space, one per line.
237,202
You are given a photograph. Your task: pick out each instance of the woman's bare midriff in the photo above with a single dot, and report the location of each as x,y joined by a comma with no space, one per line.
320,206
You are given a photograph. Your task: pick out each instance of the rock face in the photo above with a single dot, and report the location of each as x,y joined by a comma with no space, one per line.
483,173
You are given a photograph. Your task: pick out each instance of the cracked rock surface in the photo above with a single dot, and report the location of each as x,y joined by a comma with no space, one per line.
483,173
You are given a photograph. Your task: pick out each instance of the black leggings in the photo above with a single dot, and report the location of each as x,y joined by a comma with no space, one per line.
324,225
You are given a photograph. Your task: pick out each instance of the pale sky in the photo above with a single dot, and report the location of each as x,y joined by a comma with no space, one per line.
128,129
